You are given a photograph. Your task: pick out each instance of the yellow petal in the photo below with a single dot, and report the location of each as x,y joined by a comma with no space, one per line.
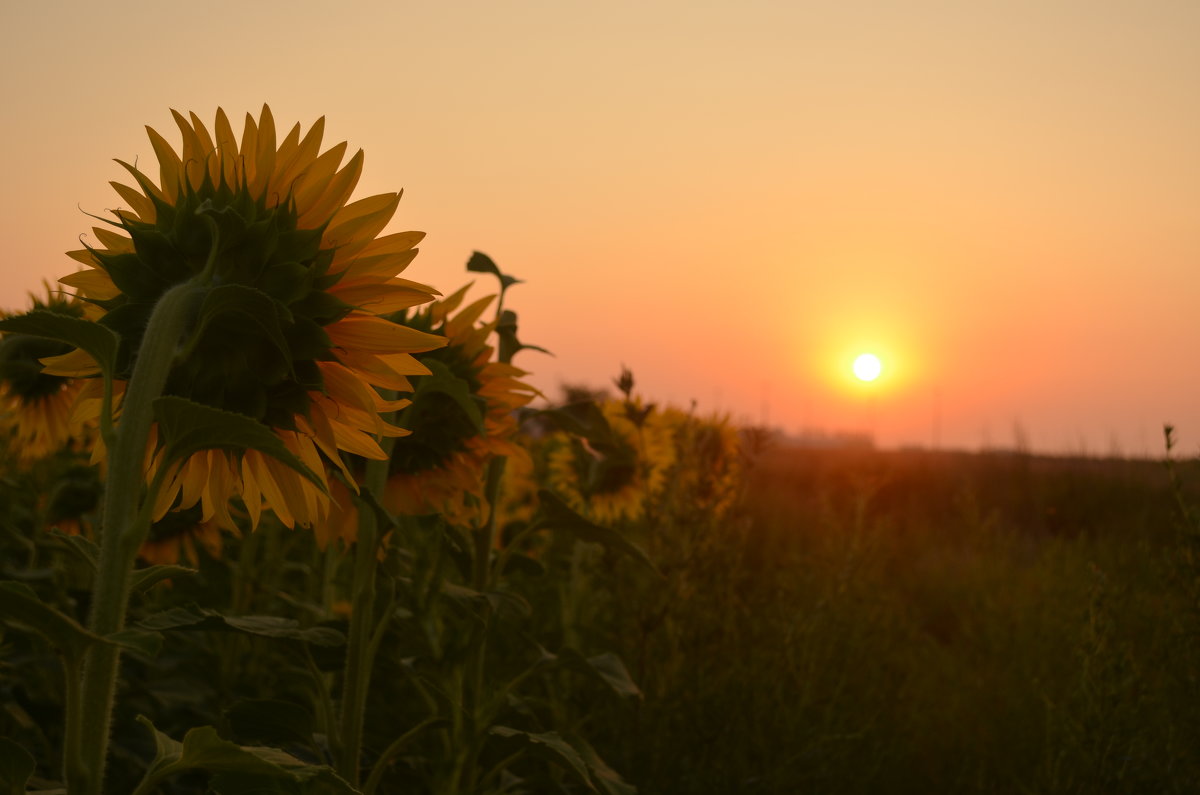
264,155
170,166
227,148
260,466
376,335
93,283
333,195
375,269
76,364
141,206
115,243
251,493
382,299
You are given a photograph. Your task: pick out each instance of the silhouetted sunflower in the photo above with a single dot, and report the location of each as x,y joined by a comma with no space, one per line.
290,331
461,416
612,480
36,407
708,478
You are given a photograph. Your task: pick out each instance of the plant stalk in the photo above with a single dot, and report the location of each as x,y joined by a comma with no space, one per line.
121,534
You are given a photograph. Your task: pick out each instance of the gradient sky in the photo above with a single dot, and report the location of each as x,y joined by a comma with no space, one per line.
1000,198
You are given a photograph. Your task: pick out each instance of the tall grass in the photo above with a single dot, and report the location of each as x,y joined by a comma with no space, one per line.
907,622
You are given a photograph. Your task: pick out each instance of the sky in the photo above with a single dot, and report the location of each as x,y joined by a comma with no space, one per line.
1000,198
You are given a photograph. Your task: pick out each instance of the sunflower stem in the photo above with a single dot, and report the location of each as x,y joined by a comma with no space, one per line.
360,650
121,533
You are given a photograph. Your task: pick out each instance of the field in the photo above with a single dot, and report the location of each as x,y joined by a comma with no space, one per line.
858,621
908,622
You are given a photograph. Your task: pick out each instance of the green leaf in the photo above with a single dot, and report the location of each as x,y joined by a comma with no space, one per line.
606,667
16,766
189,427
202,748
610,781
554,514
98,341
19,604
193,617
269,721
148,644
143,579
506,330
552,746
501,602
482,263
84,548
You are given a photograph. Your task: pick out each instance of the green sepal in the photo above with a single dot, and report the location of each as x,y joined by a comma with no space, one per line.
193,617
188,427
550,745
554,514
442,379
19,604
16,766
239,769
99,342
248,304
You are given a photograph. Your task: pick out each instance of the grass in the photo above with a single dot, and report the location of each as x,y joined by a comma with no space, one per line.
923,622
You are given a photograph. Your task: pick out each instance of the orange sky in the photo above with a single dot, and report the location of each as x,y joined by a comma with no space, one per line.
1001,198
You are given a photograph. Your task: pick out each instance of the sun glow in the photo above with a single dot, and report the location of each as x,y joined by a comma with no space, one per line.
867,367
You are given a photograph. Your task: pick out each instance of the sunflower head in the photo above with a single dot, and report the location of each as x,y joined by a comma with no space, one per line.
35,405
709,476
294,280
461,415
613,472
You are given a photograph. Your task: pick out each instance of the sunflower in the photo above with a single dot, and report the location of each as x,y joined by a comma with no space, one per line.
709,476
461,416
35,406
614,481
290,331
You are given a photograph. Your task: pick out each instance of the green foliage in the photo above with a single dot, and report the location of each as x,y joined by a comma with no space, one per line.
99,341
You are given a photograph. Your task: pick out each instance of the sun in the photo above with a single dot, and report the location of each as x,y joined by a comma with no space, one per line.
867,367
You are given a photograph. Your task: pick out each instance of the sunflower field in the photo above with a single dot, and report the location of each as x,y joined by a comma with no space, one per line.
277,518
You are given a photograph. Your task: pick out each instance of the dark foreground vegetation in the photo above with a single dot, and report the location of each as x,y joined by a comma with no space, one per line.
906,622
868,622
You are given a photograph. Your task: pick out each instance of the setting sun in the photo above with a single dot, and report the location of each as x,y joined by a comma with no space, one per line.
867,367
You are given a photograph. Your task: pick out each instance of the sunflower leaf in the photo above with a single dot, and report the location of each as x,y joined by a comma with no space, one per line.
607,668
552,746
19,604
143,579
482,263
506,330
554,514
239,769
190,427
98,341
193,617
